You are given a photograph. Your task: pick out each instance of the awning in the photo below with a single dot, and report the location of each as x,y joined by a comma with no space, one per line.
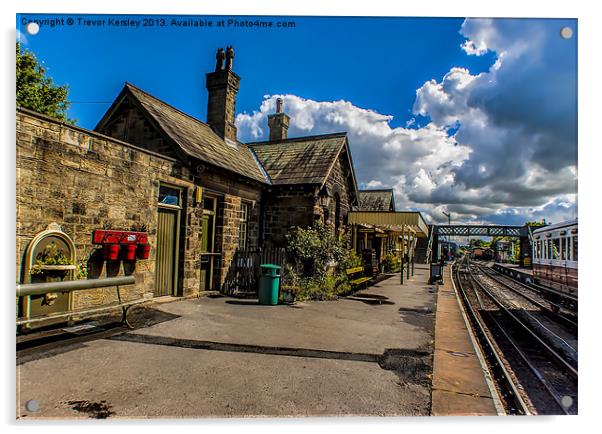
392,221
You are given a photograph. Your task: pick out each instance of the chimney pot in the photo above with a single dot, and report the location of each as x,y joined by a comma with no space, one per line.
278,123
222,86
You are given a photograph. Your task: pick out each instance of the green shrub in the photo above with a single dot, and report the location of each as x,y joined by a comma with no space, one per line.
391,262
310,252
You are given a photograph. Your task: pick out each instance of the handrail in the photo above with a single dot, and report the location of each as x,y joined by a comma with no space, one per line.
28,289
25,289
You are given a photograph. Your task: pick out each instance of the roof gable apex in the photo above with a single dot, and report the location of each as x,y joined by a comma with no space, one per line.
190,136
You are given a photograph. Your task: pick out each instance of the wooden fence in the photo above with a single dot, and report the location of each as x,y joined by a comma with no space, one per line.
243,274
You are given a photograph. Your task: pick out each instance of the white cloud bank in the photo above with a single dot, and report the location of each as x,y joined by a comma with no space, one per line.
500,146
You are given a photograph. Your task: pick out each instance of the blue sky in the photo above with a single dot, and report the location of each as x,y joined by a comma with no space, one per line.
453,114
377,63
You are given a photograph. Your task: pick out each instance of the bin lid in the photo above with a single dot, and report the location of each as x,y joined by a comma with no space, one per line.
270,266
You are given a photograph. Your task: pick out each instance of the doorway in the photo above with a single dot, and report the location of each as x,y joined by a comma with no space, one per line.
168,234
208,254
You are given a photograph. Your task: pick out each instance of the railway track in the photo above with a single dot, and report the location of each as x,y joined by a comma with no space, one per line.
553,326
541,296
532,375
560,300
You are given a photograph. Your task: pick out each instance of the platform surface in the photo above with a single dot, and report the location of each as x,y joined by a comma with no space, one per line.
366,354
459,384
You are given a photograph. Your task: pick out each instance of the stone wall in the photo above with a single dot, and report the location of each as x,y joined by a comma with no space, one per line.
284,208
130,125
231,192
85,181
339,184
299,205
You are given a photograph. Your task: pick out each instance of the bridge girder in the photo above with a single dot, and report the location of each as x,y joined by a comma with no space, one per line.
480,230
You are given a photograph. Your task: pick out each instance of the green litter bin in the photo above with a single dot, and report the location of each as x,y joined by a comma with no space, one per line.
269,281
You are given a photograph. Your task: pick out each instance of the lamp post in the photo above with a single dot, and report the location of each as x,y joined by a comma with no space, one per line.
448,215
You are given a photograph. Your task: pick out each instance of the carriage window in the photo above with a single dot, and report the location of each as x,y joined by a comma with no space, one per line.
556,248
574,248
546,248
562,248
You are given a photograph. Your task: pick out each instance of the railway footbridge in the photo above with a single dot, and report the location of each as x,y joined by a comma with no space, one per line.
523,233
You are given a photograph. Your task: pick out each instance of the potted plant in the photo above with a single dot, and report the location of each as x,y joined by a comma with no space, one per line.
52,261
53,264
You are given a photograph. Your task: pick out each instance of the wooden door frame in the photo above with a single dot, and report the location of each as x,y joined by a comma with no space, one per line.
178,211
213,212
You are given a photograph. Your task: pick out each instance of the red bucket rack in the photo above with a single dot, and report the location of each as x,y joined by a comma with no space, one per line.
132,245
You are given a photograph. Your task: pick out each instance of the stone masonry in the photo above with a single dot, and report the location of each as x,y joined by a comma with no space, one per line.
86,181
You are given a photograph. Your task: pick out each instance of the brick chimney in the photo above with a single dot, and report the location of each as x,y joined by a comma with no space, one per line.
278,123
222,85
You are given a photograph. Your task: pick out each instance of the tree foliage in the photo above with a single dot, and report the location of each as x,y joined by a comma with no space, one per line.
477,242
316,263
536,223
36,90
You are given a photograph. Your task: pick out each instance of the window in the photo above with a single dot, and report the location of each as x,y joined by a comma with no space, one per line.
575,249
169,195
209,204
562,248
337,212
244,226
556,248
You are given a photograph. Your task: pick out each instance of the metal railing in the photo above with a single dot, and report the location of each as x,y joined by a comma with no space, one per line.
29,289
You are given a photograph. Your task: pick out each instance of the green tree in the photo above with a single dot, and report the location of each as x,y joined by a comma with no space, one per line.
477,242
536,223
36,90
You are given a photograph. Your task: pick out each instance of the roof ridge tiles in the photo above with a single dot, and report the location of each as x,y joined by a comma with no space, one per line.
298,139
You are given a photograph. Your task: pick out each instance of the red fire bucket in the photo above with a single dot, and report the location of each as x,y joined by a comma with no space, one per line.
111,251
129,252
143,251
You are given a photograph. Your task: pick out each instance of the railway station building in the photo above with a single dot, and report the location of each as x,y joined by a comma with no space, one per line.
199,193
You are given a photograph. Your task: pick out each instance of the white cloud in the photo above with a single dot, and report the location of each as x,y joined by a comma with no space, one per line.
512,154
401,158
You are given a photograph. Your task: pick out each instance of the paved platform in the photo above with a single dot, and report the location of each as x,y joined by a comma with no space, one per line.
367,354
459,379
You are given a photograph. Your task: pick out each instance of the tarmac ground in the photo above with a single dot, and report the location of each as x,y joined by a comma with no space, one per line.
367,354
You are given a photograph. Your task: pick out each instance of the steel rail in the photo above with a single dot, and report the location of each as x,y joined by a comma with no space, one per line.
508,388
559,359
555,315
537,287
551,390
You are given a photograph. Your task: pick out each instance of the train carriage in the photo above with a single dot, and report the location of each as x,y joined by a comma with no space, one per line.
555,256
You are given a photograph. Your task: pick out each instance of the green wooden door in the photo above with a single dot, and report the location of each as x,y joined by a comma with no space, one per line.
167,252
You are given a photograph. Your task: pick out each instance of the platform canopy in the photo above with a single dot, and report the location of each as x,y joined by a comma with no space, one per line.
392,221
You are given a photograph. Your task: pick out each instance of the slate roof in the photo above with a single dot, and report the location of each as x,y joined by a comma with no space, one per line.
197,139
376,200
303,160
